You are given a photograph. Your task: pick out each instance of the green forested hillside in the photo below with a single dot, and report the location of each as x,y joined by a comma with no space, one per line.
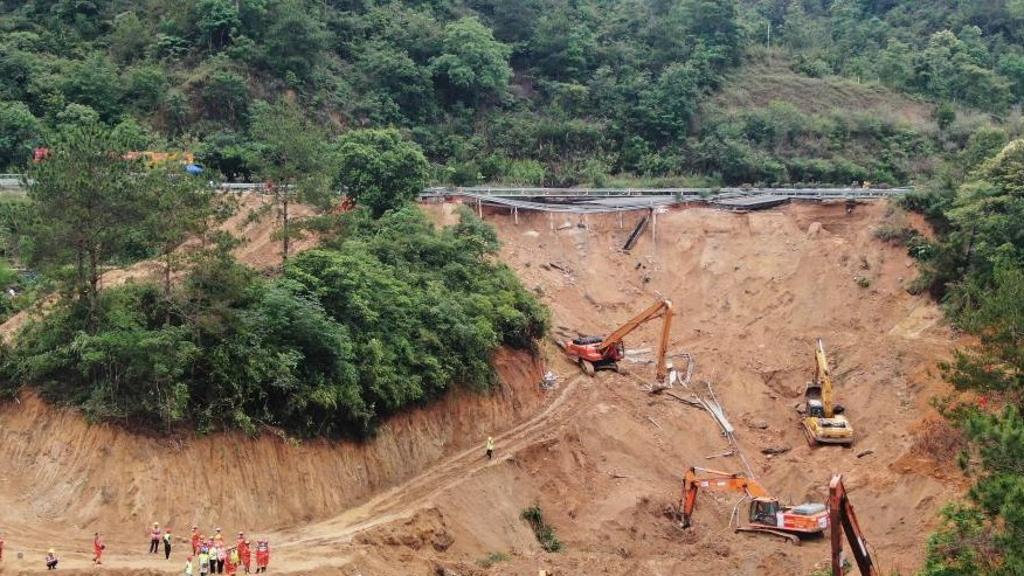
533,91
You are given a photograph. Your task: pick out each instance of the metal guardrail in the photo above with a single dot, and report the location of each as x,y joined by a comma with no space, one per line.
701,192
598,200
618,198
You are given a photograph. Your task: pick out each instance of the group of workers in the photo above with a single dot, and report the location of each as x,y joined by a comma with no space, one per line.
209,555
214,556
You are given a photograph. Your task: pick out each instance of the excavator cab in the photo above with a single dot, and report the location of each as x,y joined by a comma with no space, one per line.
764,511
812,396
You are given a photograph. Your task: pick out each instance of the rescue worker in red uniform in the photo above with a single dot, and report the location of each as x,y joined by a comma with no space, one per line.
262,556
97,548
196,539
245,554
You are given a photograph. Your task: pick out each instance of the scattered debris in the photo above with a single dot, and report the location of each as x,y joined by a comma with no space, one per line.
550,381
758,424
655,422
864,453
681,399
725,454
775,450
617,476
709,403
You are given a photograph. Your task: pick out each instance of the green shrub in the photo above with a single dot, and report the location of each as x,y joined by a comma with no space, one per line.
492,559
545,534
895,234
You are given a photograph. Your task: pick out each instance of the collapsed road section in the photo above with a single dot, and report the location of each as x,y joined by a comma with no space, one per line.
605,200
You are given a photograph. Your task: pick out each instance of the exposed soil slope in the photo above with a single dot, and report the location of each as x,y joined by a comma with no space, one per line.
64,478
751,292
601,456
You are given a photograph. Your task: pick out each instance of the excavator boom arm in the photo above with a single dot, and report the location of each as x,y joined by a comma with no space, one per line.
666,327
823,376
715,481
655,310
840,513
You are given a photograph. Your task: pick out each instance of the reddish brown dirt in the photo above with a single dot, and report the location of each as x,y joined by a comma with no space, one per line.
64,479
602,457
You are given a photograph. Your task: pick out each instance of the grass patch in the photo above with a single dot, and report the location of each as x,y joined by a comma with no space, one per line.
895,234
545,533
492,559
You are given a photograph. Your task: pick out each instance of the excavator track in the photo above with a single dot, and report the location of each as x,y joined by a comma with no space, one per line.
588,367
793,538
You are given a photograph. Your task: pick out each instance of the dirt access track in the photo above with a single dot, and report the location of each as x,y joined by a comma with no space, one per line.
602,457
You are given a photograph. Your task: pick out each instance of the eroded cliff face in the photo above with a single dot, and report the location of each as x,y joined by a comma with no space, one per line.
60,473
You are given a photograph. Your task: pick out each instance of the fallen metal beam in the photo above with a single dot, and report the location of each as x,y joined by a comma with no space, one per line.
637,232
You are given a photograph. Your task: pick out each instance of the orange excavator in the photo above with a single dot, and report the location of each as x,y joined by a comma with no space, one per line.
603,353
766,515
346,204
840,513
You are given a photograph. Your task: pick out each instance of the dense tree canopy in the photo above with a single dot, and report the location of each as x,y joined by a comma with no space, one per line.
978,265
379,170
393,312
572,92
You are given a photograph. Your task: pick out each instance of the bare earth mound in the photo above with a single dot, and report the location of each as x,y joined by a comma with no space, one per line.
602,457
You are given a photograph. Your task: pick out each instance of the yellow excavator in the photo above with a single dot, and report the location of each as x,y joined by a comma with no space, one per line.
824,422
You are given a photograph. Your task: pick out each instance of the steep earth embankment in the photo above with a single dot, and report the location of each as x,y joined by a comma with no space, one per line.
64,478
